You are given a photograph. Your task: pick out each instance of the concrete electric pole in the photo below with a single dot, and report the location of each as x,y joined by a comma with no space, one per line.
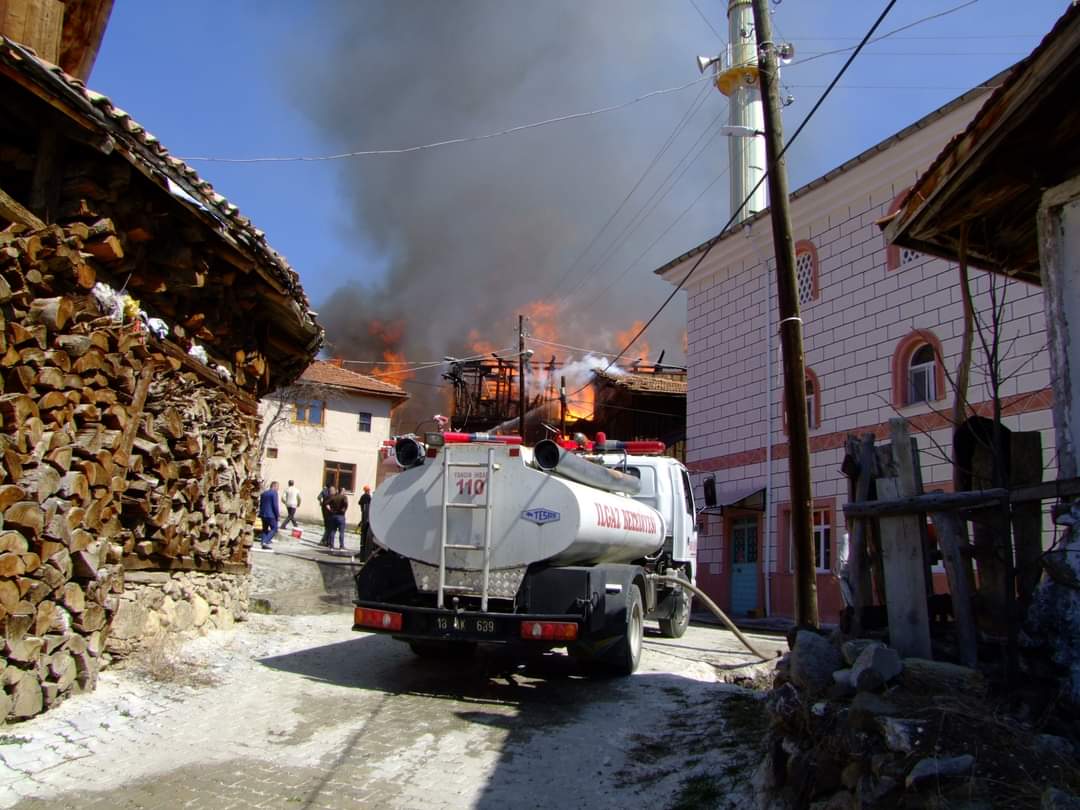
521,376
787,293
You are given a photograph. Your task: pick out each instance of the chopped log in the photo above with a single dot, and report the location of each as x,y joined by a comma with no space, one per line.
52,312
73,345
11,565
23,336
9,595
58,358
89,361
9,494
50,379
21,379
74,485
17,408
26,516
13,542
40,482
106,250
52,400
60,458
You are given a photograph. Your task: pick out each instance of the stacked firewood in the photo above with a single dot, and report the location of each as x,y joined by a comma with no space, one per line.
112,449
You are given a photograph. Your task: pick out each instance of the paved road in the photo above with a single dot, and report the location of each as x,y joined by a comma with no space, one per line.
300,712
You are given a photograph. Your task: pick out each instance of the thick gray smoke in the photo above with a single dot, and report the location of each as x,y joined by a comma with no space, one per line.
470,234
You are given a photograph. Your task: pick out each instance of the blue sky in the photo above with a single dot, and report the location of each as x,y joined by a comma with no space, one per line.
256,78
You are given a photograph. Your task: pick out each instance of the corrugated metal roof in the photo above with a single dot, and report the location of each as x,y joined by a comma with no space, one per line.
323,373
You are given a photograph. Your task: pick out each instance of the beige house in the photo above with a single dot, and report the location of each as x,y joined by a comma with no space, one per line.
327,429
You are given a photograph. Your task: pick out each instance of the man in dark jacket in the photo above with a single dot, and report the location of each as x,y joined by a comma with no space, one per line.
270,512
365,527
338,504
324,498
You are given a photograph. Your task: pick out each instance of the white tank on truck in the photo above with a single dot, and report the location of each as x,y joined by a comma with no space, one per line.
483,540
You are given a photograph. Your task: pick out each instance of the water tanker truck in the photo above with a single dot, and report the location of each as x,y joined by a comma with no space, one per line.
484,540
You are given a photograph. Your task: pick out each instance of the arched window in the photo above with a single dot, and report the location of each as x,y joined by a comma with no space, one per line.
806,271
896,256
918,375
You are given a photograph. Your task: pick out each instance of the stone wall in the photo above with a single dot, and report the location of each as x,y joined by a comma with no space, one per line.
157,602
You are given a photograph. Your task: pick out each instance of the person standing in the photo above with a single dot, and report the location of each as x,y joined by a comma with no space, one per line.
270,512
338,505
365,526
324,498
292,503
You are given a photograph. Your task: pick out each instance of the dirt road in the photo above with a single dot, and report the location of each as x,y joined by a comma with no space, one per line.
300,712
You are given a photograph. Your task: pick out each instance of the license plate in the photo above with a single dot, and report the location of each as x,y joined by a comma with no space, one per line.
473,625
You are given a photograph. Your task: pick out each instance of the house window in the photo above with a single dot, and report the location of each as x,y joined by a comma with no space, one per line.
271,452
822,523
806,271
311,412
744,545
921,376
364,424
813,402
339,475
918,375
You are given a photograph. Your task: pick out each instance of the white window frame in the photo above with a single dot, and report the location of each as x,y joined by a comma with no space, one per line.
928,369
360,421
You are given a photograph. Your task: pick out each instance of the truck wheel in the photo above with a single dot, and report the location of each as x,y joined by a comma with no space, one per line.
675,626
443,649
626,655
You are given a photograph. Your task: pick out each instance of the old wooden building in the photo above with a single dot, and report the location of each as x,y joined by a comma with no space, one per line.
141,319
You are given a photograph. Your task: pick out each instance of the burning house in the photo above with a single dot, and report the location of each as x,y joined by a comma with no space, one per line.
141,319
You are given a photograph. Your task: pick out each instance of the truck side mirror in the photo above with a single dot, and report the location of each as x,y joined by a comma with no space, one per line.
710,492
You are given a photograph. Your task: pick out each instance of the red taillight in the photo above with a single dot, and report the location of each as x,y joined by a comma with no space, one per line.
515,452
432,452
549,631
379,619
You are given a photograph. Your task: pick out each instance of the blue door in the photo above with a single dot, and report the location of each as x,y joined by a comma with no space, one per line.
744,565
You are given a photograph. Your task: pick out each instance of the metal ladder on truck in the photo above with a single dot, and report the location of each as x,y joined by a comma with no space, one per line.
448,465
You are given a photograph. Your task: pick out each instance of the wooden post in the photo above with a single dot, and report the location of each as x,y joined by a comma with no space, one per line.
902,555
802,527
858,562
1025,467
952,539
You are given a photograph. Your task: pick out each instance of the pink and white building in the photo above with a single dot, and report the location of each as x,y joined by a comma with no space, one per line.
877,322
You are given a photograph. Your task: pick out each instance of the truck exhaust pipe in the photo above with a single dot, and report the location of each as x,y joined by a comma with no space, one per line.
552,458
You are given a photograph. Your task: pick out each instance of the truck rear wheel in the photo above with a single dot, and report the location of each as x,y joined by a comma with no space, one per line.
626,654
442,649
676,625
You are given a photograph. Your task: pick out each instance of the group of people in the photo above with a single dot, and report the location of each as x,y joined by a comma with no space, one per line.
334,503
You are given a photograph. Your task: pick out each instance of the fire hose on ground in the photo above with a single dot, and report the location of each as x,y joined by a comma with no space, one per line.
711,605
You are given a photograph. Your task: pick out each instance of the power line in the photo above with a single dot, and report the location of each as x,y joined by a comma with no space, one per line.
454,141
691,111
817,105
708,22
888,34
646,208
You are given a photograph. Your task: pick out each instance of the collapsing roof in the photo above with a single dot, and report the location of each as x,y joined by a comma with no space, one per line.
190,256
651,383
991,177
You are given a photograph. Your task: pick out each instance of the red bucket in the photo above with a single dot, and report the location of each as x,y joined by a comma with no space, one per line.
297,533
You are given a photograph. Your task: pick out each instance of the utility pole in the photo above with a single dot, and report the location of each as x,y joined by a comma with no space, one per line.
562,406
521,376
802,527
746,154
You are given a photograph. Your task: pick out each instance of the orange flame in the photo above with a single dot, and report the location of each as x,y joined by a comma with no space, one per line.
639,348
390,333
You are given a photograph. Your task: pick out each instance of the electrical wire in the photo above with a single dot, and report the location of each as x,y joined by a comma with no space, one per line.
886,35
708,22
691,111
454,141
809,116
596,352
645,210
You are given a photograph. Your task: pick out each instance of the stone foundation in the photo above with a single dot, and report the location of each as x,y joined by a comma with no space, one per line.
156,602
